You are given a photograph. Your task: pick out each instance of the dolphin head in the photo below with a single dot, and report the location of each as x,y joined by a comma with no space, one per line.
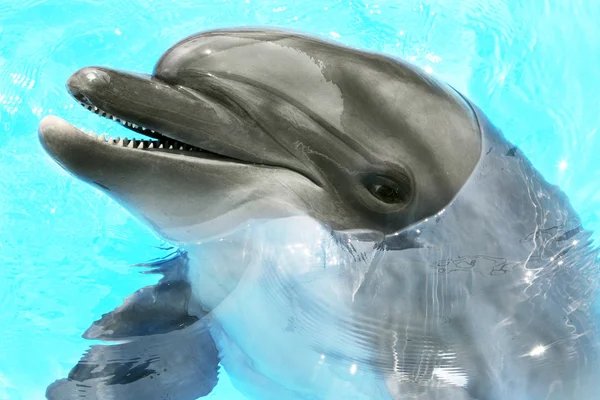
259,124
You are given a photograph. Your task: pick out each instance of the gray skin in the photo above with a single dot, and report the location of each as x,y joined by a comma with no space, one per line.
483,267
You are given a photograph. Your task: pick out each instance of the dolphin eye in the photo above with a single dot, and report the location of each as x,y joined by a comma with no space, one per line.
388,190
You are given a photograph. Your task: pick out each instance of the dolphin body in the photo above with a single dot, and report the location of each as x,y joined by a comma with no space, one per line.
453,269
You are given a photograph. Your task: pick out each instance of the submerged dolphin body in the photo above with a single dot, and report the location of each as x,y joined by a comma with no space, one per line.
458,273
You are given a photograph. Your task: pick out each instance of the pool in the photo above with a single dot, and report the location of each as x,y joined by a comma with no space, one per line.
66,248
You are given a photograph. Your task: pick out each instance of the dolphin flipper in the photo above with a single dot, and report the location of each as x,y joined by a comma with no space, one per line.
156,309
165,353
152,310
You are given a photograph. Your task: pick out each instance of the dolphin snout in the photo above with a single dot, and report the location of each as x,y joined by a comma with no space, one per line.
85,81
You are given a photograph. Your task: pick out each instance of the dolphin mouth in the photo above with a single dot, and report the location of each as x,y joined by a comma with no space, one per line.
91,95
156,140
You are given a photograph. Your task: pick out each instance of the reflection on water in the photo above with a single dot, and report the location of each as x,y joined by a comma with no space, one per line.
66,248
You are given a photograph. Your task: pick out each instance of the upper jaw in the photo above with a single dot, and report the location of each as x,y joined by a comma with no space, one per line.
160,142
148,106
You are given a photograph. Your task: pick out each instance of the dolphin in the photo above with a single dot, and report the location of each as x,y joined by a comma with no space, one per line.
454,271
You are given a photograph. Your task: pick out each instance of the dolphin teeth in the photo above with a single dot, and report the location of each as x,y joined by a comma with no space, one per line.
95,108
130,144
110,139
134,126
180,147
141,145
120,142
171,147
161,146
102,138
151,146
143,128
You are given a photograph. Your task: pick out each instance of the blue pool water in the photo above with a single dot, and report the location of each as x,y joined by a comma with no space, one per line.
531,65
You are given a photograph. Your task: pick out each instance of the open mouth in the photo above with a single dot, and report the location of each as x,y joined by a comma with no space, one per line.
173,120
155,141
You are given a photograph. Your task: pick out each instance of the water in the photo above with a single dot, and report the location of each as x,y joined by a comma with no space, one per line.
66,248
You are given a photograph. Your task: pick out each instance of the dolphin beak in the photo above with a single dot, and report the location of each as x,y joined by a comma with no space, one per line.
85,81
151,107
